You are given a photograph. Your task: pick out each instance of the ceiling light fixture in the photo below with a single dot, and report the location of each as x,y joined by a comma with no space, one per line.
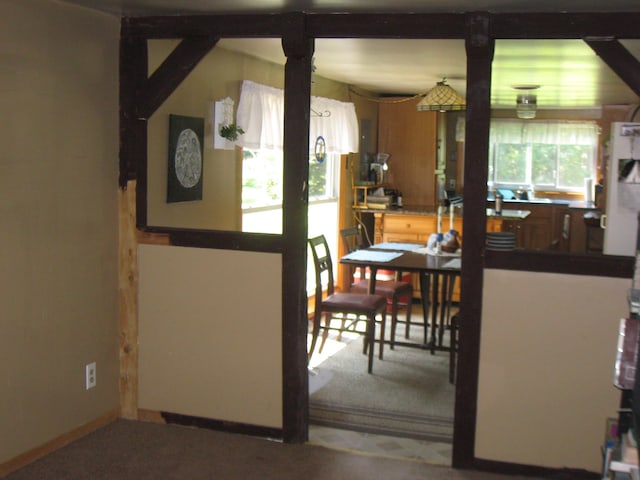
526,101
441,98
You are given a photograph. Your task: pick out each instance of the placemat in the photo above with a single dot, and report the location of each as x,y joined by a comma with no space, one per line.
372,256
399,246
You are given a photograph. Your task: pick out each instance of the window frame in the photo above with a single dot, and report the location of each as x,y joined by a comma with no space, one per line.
528,184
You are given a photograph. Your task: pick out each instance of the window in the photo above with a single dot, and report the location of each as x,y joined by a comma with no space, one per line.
261,113
262,197
543,155
262,189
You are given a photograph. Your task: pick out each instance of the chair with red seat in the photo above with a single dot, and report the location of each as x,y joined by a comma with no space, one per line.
399,294
347,308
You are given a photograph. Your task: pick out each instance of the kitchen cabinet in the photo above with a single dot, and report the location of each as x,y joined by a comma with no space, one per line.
410,137
534,232
551,226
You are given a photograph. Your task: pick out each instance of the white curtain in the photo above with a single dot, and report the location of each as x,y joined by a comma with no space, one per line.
544,131
261,115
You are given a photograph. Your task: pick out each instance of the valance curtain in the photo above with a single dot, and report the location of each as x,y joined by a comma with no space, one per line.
546,131
261,115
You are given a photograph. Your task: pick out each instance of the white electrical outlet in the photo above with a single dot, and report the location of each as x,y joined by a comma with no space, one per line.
90,372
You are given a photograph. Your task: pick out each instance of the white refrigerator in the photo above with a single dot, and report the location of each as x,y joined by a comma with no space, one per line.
620,221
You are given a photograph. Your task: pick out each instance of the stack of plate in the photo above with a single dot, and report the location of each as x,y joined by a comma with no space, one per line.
501,240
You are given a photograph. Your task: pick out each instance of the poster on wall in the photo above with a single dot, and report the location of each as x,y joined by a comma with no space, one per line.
184,180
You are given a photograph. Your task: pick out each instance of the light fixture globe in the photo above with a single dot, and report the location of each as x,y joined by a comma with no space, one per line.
526,101
441,98
526,106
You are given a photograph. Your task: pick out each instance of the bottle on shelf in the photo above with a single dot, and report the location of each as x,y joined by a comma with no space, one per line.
498,206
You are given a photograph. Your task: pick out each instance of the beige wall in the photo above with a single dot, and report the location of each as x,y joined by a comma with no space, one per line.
210,329
217,76
58,204
546,367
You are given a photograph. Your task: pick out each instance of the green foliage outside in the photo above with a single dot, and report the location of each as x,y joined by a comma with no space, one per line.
542,165
262,178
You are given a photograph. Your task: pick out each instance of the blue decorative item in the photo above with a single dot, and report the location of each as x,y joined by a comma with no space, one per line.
320,150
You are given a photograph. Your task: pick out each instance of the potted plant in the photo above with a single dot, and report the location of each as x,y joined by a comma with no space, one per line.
231,131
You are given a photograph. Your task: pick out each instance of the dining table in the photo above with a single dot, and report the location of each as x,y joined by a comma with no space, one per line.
437,273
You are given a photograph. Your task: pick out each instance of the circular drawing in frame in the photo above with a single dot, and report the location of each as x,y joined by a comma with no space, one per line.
188,159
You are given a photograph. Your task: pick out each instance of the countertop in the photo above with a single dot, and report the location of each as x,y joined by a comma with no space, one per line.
508,214
576,204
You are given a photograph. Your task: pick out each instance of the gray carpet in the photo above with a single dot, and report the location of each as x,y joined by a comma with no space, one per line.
408,394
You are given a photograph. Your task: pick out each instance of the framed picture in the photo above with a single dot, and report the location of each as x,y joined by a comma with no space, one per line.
186,140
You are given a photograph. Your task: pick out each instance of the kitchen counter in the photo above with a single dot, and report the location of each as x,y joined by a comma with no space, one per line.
577,204
507,213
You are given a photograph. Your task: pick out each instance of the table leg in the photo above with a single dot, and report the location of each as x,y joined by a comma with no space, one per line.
434,311
373,271
444,306
425,291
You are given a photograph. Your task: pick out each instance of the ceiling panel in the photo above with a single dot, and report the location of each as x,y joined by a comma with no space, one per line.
569,73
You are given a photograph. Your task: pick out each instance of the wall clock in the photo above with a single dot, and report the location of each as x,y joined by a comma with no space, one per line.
184,180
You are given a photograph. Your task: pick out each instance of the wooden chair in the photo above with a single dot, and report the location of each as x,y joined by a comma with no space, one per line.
347,308
399,294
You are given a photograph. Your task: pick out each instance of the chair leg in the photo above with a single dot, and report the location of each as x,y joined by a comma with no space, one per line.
383,326
370,335
407,328
314,334
453,346
325,331
408,308
394,319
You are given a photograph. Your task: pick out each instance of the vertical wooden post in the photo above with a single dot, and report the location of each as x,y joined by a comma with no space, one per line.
128,302
298,48
479,47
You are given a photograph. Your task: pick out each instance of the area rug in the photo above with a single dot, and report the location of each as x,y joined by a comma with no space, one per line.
408,394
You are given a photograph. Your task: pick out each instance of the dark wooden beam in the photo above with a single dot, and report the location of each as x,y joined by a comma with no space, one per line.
619,59
398,25
182,26
298,48
565,25
133,73
224,240
553,262
480,49
175,68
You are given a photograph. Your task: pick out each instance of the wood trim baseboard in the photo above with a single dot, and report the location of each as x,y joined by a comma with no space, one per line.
223,425
51,446
152,416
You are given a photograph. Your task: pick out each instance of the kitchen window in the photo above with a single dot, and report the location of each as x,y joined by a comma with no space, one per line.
542,155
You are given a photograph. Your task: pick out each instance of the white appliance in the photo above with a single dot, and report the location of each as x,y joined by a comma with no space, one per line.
623,190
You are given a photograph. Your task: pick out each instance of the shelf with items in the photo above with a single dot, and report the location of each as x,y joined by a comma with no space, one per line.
361,194
621,456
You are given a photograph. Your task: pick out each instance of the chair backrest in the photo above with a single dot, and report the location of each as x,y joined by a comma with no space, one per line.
352,239
322,264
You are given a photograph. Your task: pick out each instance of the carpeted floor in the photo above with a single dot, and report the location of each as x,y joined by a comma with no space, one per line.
407,395
134,450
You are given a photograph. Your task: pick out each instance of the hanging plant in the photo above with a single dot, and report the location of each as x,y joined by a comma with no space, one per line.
231,131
